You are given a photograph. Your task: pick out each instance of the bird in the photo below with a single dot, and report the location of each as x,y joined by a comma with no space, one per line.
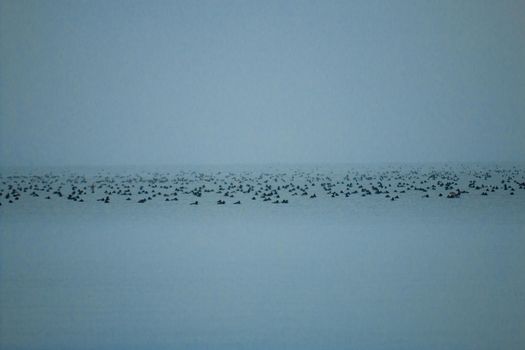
454,194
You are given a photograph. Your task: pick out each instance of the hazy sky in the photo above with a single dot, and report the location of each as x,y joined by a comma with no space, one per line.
125,82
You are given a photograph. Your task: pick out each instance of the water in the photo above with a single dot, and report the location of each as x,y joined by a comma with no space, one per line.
329,273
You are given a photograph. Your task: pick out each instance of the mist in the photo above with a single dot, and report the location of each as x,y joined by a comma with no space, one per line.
120,82
262,174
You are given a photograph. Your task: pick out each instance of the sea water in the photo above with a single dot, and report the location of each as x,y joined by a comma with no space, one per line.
326,273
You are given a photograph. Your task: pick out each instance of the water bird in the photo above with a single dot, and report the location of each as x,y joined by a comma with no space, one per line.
454,194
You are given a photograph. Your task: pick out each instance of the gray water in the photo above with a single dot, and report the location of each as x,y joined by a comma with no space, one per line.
357,274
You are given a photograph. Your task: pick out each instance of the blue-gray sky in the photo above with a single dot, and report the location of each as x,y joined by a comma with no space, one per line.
126,82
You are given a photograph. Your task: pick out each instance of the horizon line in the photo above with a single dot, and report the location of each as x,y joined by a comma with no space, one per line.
258,164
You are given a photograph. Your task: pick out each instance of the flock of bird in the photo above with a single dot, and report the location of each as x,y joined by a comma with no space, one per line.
224,188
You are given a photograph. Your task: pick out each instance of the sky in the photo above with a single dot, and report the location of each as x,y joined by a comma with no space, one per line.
182,82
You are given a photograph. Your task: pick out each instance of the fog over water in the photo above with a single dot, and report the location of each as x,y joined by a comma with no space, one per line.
151,82
262,175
